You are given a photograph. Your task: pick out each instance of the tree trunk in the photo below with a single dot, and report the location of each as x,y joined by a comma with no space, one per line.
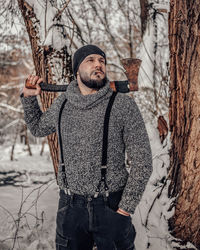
144,13
27,140
47,61
184,116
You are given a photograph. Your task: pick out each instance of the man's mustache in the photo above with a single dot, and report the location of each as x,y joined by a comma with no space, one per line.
97,71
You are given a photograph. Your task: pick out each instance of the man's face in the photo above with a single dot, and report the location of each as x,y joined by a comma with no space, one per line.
92,71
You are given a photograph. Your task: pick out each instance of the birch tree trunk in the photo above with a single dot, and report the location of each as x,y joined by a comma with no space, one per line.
184,30
53,64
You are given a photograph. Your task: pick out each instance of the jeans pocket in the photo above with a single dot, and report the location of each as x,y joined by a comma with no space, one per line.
63,204
62,219
127,241
61,242
114,213
118,225
123,231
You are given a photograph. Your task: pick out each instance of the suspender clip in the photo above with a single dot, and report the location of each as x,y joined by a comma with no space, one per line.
96,194
107,193
67,191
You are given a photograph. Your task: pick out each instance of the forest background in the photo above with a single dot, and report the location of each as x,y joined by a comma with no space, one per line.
123,29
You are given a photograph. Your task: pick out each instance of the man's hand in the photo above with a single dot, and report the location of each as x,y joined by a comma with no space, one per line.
121,211
34,80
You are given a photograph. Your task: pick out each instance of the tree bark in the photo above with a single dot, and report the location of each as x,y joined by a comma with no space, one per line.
184,117
45,59
144,7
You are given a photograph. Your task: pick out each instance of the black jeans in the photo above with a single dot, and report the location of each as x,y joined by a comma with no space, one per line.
83,221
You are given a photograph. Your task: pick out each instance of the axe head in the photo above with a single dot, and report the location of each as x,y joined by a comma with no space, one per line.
132,66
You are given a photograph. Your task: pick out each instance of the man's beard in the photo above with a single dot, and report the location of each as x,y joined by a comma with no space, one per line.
91,83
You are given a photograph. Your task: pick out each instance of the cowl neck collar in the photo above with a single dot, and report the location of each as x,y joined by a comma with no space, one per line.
80,101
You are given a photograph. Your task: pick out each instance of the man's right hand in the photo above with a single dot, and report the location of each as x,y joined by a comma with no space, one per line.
34,80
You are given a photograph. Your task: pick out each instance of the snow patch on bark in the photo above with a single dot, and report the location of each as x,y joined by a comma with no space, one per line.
51,30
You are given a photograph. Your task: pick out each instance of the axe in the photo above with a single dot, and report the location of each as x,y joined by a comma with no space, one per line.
131,67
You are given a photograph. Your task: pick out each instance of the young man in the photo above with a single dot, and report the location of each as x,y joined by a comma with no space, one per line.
97,194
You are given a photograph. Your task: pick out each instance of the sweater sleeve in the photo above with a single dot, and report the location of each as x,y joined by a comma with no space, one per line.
139,152
40,123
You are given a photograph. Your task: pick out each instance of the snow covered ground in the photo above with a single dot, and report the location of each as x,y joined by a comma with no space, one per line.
28,213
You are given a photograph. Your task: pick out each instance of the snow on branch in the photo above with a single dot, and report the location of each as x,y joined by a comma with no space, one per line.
59,13
50,24
12,124
4,105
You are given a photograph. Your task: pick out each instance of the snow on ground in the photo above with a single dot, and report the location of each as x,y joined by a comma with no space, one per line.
29,211
22,160
150,219
153,211
34,205
25,168
36,214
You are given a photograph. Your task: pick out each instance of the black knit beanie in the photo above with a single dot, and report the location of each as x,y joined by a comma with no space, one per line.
82,53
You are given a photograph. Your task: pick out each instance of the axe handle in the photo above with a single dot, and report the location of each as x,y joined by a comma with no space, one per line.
119,86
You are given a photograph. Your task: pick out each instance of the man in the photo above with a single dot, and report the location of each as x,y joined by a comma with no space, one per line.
97,194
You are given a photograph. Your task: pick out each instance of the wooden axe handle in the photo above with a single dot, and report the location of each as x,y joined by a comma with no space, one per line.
119,86
131,66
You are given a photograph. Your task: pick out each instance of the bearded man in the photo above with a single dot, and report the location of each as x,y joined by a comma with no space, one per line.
96,126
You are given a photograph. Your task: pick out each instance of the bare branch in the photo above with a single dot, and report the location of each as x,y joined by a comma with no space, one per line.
59,13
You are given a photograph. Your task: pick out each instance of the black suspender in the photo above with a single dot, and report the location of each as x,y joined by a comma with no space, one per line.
104,148
62,164
105,129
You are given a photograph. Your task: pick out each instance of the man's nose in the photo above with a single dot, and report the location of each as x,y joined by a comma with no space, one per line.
97,64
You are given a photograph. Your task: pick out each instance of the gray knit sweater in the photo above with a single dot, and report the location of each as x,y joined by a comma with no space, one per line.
82,132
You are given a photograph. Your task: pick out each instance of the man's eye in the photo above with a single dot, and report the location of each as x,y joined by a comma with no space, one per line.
90,60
